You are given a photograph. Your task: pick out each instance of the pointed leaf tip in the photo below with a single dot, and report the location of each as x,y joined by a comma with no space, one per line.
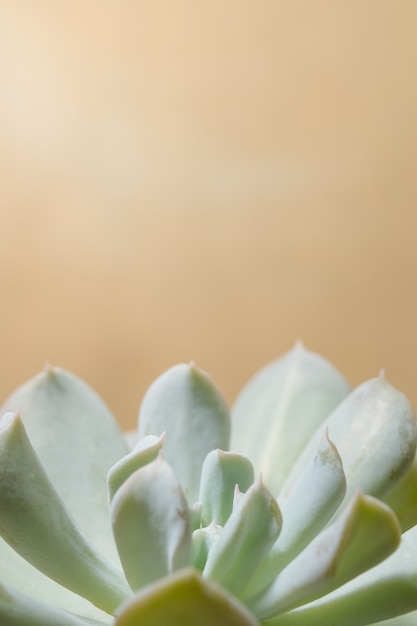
151,524
69,426
185,403
281,407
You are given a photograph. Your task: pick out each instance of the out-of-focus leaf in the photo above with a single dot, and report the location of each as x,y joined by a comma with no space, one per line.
77,441
375,431
18,609
185,403
403,499
280,408
35,523
185,599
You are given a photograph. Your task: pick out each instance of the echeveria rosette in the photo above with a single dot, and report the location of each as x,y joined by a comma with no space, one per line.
297,521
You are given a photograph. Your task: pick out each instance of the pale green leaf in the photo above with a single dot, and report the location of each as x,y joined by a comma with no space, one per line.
310,506
151,524
185,599
221,472
77,441
374,430
364,535
18,609
185,403
34,521
202,542
25,577
247,537
382,593
145,451
280,408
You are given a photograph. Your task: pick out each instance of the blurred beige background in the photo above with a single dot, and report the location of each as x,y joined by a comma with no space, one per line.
210,181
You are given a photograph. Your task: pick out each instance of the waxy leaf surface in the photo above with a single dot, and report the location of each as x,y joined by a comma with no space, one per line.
280,408
186,405
34,521
151,524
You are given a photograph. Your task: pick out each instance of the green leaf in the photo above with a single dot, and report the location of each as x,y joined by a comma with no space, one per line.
221,472
18,609
382,593
280,408
403,498
374,417
202,542
77,441
364,535
145,451
185,599
185,403
247,537
151,524
35,523
25,577
310,506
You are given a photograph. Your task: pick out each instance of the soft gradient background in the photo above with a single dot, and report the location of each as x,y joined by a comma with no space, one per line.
207,180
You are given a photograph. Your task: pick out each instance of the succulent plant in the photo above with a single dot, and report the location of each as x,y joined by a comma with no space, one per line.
299,507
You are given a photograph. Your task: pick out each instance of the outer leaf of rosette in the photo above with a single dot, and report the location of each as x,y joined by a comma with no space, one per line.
25,577
77,441
34,521
281,407
185,403
19,609
365,534
185,599
375,432
386,595
151,524
221,472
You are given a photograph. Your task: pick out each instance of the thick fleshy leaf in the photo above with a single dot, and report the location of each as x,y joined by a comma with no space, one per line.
248,535
403,498
202,542
77,441
385,591
145,451
409,619
151,524
25,577
34,521
375,432
18,609
342,551
221,472
281,407
185,403
185,599
311,505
